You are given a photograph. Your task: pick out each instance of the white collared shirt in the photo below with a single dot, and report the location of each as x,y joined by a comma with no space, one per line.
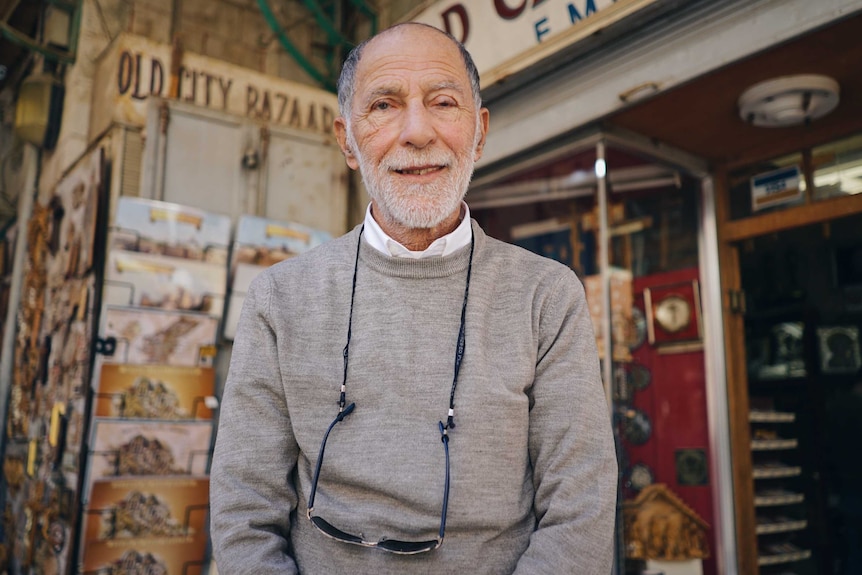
443,246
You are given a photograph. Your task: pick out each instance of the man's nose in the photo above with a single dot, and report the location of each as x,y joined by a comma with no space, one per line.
417,129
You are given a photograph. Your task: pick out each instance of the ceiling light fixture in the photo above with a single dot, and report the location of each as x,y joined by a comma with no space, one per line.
788,100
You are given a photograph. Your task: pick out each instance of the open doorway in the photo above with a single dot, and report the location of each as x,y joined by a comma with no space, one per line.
802,325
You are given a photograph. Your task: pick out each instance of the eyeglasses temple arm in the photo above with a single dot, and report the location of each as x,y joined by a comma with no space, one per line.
444,437
341,415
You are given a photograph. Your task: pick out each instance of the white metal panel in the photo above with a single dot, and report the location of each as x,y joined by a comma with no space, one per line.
699,40
194,157
306,181
203,162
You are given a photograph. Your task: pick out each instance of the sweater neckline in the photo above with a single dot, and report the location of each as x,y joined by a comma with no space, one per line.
423,268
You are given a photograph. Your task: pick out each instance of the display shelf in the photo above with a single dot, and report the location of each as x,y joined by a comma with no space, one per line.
789,556
769,525
773,444
765,416
775,471
767,382
779,375
777,497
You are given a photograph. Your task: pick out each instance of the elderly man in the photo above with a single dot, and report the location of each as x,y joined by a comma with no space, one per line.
414,397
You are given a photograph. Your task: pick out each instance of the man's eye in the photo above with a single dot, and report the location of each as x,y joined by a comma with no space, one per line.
380,106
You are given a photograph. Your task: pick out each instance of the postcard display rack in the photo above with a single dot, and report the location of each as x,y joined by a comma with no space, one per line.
146,487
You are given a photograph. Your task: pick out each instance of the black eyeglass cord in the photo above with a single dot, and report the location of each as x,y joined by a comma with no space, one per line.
343,397
459,348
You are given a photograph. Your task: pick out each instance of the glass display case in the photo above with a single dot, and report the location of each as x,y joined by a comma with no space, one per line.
632,238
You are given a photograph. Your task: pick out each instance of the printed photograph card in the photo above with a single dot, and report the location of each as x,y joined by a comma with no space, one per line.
839,349
260,243
167,556
136,279
173,230
147,508
120,448
138,335
264,241
165,392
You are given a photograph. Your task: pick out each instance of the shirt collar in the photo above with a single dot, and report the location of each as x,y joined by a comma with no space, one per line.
443,246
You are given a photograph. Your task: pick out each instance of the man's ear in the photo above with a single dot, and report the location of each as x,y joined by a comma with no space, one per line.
340,126
484,121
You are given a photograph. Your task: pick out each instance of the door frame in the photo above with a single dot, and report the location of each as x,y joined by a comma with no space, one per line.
730,234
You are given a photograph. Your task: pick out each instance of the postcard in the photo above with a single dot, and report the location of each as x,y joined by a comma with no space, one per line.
260,243
147,447
263,241
145,280
141,335
154,392
168,556
146,507
163,228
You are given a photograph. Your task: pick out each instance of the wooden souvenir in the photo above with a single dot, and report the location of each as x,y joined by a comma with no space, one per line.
621,312
659,525
673,316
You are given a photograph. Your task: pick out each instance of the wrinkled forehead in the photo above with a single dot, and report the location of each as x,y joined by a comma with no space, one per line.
410,52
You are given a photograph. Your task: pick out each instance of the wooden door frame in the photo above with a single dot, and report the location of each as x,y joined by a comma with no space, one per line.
730,233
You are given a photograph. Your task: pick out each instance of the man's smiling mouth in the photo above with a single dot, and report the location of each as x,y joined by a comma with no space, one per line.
418,171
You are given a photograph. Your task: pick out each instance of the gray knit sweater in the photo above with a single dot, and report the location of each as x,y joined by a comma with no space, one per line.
532,457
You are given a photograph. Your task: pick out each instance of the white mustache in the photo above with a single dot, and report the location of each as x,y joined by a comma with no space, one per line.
404,159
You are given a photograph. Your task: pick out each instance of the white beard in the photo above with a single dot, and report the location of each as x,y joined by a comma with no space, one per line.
417,205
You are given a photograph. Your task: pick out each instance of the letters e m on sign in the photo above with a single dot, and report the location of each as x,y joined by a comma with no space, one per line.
775,187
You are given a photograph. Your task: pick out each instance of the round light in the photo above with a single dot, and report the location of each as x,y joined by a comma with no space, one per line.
601,168
789,100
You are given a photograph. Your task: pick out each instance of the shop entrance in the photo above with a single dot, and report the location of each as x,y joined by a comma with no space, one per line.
793,275
802,336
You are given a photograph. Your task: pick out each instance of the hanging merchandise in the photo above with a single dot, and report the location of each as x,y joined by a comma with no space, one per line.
46,420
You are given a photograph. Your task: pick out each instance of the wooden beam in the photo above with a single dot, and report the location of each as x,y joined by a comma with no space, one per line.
737,388
813,213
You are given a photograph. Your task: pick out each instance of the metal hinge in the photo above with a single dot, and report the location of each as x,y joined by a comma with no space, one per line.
736,299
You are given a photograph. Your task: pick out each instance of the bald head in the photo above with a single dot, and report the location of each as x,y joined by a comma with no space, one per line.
347,79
